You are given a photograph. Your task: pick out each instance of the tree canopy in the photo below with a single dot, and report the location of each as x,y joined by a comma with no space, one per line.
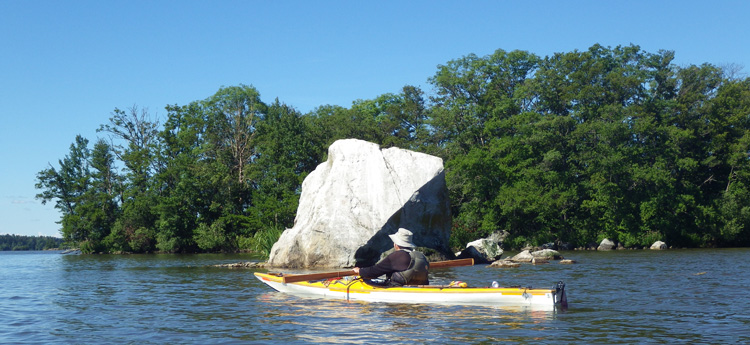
569,148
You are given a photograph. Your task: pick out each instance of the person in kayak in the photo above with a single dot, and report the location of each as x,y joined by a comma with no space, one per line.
405,266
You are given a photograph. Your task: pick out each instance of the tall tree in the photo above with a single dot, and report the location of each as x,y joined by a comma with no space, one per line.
286,154
232,116
100,200
137,130
184,193
67,187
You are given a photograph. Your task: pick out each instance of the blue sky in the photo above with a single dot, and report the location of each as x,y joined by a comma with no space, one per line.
65,65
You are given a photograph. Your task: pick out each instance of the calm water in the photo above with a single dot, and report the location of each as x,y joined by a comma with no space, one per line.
621,297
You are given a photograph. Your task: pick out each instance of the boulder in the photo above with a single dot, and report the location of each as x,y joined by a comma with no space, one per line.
484,250
659,245
505,264
540,256
354,200
524,256
547,254
606,244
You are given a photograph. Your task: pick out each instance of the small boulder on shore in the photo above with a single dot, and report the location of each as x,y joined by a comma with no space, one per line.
544,254
524,256
484,250
548,254
504,264
659,245
606,244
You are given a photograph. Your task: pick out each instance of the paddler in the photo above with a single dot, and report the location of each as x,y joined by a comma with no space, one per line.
405,266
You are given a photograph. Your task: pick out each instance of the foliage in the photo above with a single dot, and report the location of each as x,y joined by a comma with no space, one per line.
571,148
263,240
19,242
607,142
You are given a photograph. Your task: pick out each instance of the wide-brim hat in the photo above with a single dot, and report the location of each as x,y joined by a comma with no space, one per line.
402,238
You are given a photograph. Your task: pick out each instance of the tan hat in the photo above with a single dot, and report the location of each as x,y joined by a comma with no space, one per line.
403,238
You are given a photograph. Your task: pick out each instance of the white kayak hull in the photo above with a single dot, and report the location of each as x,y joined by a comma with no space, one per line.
357,289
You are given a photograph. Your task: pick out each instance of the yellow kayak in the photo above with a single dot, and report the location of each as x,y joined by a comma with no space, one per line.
355,288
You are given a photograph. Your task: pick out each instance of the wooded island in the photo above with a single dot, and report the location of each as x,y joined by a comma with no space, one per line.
571,148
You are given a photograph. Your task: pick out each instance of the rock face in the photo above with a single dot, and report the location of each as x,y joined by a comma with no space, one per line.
354,200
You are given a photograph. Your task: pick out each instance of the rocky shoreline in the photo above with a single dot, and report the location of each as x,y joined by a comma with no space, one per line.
243,264
487,251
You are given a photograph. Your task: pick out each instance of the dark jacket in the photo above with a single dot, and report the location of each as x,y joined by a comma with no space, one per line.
402,267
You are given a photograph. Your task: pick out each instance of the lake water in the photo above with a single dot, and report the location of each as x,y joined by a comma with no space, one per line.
619,297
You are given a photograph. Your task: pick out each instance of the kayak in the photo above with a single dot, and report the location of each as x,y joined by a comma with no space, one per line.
356,288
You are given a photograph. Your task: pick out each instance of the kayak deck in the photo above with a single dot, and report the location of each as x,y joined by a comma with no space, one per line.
351,288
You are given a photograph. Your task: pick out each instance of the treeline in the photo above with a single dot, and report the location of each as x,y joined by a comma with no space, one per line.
569,148
19,242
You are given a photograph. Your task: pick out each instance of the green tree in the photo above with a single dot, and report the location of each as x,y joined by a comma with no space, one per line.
232,114
138,132
726,165
474,118
184,193
67,187
286,154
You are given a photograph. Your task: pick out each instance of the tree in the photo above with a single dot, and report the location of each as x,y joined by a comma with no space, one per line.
134,230
85,189
67,187
401,118
286,154
99,203
232,114
184,195
474,93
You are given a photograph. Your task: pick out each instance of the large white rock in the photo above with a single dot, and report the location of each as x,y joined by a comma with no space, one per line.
606,244
361,194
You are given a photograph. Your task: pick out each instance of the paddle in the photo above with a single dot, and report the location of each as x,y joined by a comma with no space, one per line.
292,278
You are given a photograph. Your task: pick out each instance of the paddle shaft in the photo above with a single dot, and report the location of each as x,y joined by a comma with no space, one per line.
292,278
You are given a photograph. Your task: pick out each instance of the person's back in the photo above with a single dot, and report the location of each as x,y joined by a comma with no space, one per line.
405,266
417,273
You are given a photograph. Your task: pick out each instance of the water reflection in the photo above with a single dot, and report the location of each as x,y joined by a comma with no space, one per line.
332,320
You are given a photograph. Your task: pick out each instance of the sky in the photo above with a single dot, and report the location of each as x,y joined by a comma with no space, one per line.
66,65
